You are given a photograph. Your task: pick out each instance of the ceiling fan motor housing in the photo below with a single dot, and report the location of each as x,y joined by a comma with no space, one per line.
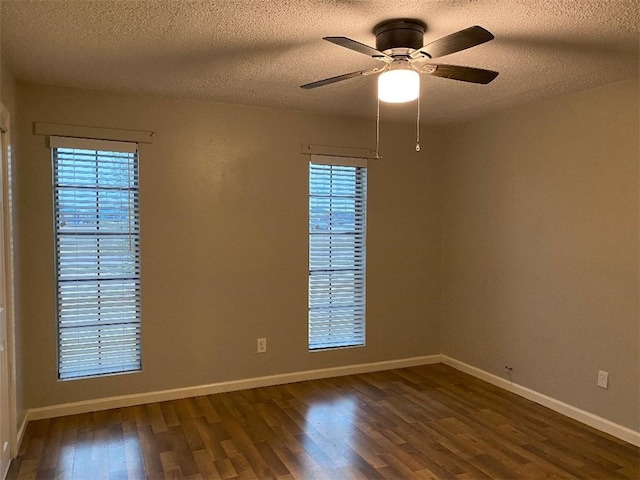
399,33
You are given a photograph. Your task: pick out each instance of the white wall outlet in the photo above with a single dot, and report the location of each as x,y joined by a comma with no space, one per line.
262,345
603,379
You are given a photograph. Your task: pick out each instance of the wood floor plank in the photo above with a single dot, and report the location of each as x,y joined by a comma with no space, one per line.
424,422
247,450
170,466
271,458
206,464
211,438
150,452
243,468
296,459
156,418
225,468
28,469
180,448
169,414
209,412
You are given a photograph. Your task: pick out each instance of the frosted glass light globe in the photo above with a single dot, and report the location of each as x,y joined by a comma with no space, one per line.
398,86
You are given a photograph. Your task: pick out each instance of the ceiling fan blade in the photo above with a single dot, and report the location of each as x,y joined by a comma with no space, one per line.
467,38
359,47
464,74
340,78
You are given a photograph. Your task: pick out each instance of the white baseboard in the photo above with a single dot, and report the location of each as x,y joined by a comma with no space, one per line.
619,431
174,394
570,411
20,434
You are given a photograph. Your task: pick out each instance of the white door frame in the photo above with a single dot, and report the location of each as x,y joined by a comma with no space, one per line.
9,275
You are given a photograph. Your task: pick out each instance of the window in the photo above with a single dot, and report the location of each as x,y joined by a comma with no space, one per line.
97,243
337,227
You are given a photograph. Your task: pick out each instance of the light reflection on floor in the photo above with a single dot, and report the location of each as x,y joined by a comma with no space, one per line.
330,427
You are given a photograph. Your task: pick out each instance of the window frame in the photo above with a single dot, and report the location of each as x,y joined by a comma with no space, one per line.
344,325
106,305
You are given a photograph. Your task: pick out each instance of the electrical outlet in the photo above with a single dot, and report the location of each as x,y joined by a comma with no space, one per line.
262,345
508,369
603,379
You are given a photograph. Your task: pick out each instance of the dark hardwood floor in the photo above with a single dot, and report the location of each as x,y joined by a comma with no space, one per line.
422,422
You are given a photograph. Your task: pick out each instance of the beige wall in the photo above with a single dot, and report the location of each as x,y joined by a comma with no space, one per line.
540,240
224,241
7,86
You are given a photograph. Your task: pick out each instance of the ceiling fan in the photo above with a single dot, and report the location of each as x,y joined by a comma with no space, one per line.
399,45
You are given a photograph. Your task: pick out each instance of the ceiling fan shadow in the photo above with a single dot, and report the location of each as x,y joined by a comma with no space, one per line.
190,59
619,47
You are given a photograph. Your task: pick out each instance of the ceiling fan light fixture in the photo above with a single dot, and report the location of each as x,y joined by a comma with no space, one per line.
398,85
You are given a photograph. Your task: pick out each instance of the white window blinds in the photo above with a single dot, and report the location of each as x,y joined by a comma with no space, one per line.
97,256
337,260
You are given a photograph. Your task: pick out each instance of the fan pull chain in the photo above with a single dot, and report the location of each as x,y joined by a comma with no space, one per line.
418,127
378,130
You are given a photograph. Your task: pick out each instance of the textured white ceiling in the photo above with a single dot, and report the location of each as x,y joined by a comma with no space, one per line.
258,52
